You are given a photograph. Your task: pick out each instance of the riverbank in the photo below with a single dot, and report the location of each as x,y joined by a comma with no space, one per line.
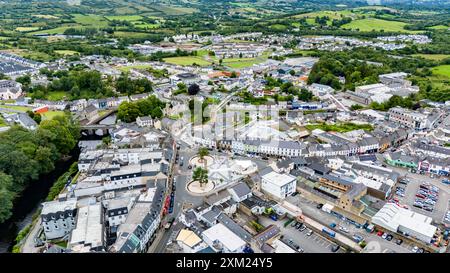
29,202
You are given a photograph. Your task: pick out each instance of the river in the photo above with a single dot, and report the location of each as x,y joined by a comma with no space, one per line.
32,197
27,204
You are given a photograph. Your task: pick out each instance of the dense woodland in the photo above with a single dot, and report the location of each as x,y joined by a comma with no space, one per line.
25,155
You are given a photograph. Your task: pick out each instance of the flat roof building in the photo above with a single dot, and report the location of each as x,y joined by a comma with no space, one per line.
397,219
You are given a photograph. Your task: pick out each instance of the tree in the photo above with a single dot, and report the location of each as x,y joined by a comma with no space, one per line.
6,196
305,95
292,72
25,80
356,107
200,175
202,152
193,89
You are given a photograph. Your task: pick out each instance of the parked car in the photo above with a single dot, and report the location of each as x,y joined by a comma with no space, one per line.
310,232
415,249
335,248
380,233
384,236
399,241
333,225
389,237
319,206
302,228
344,229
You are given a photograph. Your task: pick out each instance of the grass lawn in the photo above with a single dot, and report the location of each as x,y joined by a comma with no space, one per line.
240,63
66,52
443,70
187,60
341,127
52,114
434,57
57,95
16,108
369,24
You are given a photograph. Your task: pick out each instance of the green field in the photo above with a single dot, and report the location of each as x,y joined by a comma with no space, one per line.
128,68
370,24
130,18
442,70
440,27
90,20
126,34
434,57
341,127
140,24
66,52
241,63
58,30
52,114
187,60
16,108
26,29
57,95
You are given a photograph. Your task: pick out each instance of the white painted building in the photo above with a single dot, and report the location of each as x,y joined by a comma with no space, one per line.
220,238
278,185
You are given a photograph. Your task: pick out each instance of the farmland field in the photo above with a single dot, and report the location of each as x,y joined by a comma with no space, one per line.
90,20
434,57
130,18
58,30
370,24
26,29
440,27
122,34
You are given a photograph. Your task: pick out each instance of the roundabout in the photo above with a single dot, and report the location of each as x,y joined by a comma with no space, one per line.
195,188
197,161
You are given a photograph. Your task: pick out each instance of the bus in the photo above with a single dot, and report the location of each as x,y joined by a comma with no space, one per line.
329,232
